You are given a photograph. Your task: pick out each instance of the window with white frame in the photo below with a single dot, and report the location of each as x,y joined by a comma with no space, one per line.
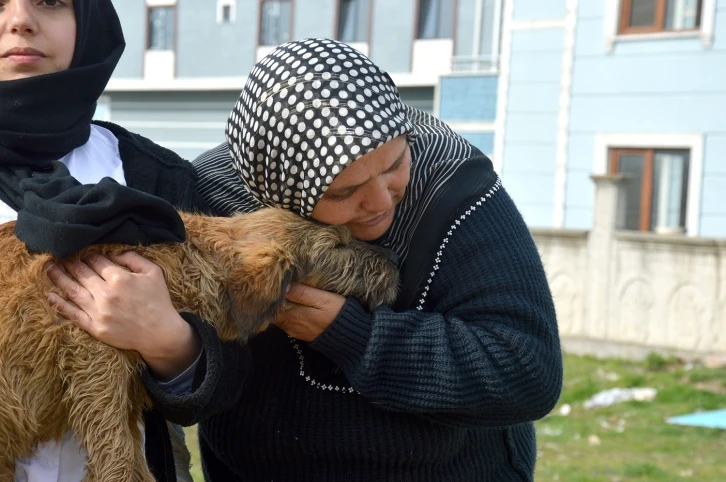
656,189
353,20
650,16
226,11
161,26
275,22
482,54
435,19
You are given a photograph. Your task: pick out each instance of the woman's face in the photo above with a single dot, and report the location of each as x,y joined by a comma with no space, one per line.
364,195
36,37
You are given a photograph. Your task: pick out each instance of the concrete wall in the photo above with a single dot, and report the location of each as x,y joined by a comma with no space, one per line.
626,294
133,21
187,123
206,48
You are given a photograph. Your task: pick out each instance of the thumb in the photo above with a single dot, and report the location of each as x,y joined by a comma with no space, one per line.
298,293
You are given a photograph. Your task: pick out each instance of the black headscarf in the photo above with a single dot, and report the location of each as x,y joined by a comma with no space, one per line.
45,117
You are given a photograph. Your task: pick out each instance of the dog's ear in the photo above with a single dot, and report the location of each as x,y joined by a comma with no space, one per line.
254,269
256,282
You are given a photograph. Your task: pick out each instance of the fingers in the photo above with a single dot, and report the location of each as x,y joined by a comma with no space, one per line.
104,267
75,292
134,262
302,294
70,312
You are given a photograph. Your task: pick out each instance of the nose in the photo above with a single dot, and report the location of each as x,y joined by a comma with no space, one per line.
378,199
21,18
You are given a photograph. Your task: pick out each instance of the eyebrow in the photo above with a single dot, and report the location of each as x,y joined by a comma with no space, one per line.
393,167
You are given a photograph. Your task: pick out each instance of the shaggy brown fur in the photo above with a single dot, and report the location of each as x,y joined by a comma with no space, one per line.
231,272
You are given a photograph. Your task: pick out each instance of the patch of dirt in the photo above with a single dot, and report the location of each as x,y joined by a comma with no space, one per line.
713,386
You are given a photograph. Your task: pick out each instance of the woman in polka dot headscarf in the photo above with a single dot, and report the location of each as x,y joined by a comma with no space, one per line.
444,385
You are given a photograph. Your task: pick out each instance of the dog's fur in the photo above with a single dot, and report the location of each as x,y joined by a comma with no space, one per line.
232,272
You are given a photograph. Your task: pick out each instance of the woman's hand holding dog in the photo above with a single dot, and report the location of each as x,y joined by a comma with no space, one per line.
313,310
123,301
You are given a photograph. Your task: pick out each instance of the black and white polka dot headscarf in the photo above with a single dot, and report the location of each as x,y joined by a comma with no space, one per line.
308,110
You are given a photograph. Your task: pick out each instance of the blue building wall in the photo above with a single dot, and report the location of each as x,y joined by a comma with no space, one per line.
484,141
670,86
468,98
530,138
540,9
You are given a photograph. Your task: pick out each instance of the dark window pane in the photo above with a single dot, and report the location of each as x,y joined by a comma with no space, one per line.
226,13
275,28
642,13
435,19
670,187
632,166
427,19
161,28
353,20
682,14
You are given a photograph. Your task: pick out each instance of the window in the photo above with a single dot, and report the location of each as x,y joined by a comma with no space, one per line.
657,187
275,22
226,11
161,28
435,19
648,16
353,20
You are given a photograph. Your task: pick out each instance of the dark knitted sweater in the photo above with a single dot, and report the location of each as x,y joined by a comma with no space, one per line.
447,392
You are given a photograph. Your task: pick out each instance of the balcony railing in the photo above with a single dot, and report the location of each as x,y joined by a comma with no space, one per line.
478,64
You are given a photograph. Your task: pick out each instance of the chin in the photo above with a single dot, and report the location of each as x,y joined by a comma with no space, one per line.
371,233
18,74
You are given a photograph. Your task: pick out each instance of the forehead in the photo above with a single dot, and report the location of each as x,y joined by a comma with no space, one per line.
375,162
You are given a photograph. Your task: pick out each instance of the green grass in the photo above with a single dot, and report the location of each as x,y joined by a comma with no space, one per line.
634,443
191,439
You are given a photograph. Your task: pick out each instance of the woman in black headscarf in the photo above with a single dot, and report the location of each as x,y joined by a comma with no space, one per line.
73,182
443,386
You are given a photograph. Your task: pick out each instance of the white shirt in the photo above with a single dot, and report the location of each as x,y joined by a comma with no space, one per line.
65,460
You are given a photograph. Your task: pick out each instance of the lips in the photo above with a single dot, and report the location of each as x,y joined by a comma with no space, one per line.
376,220
23,55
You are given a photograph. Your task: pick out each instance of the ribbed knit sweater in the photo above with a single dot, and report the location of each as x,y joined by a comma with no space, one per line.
445,391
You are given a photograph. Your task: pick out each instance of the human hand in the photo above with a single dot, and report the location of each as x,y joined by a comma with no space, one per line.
312,311
123,301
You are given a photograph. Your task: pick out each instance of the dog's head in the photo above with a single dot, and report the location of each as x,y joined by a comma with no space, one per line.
262,252
332,260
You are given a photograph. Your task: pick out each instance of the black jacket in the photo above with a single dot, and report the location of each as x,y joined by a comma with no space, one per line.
153,169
